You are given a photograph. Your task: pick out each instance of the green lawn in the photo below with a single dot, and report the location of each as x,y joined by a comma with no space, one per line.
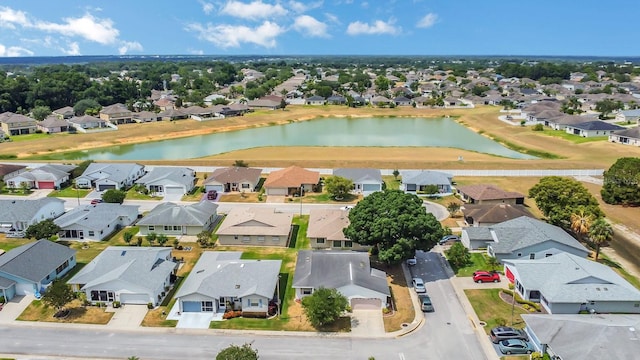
325,198
28,137
70,192
576,139
132,194
302,241
478,262
391,182
603,259
491,309
195,195
7,244
16,192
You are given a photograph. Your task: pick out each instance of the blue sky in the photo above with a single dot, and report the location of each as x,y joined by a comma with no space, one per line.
322,27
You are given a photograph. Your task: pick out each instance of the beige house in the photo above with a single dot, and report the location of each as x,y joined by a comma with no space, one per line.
489,194
116,114
17,124
233,179
255,226
289,181
325,230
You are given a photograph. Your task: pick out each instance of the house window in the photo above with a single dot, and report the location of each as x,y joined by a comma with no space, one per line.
261,239
636,305
245,186
246,239
348,244
337,243
254,302
102,295
91,233
167,228
547,255
307,291
151,227
320,241
532,256
177,227
275,238
519,254
61,268
206,306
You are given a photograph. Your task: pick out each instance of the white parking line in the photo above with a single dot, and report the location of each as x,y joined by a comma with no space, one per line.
401,356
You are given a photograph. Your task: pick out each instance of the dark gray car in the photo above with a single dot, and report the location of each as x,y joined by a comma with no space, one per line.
500,333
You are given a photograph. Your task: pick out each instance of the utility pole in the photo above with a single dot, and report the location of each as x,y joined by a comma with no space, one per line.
301,199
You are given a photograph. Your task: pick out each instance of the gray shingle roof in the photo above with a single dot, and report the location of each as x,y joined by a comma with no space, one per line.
634,132
177,175
335,269
494,213
567,278
95,217
115,171
525,231
35,260
143,267
358,175
23,210
172,214
425,177
234,175
223,273
49,172
597,125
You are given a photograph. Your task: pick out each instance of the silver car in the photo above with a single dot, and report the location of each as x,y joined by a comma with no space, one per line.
418,285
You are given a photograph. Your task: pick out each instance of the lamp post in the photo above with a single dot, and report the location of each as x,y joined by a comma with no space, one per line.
301,199
278,296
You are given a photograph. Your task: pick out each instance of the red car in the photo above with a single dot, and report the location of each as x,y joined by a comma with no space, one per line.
486,276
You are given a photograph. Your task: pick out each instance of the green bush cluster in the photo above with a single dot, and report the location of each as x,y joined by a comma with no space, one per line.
522,301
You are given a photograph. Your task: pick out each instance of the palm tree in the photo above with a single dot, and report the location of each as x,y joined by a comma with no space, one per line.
600,233
580,223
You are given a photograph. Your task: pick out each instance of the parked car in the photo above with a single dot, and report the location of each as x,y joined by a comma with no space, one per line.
501,333
412,261
515,346
486,276
425,303
96,201
448,238
418,285
212,194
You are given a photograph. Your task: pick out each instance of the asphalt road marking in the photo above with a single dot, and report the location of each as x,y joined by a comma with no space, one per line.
401,356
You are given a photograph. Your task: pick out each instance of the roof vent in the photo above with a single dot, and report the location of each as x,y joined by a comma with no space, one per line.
237,286
123,252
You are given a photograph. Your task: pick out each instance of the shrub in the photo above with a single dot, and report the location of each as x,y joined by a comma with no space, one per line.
232,314
538,127
150,305
500,321
1,299
116,304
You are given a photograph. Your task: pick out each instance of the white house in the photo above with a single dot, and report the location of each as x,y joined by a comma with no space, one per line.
365,181
103,176
95,222
18,215
161,181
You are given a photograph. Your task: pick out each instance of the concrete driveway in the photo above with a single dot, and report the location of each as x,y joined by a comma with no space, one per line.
366,322
11,310
172,197
194,320
128,316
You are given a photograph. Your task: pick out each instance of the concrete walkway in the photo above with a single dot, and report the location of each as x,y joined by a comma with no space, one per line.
367,323
127,317
11,310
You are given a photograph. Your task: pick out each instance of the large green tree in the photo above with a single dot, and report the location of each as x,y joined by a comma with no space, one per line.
458,255
114,196
338,186
324,306
81,107
397,224
58,294
44,229
600,233
235,352
622,182
559,197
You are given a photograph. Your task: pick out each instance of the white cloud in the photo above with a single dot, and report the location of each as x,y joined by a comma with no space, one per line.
88,27
253,11
13,51
427,21
129,46
206,7
300,7
226,36
332,18
378,27
10,17
74,49
309,26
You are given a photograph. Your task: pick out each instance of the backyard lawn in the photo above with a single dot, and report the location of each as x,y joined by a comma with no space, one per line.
491,309
7,244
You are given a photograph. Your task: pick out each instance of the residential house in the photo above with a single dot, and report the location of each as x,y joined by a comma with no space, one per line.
176,220
17,124
116,114
626,137
451,101
336,100
18,215
584,337
128,274
64,113
593,128
263,103
349,272
568,284
87,122
380,101
165,103
561,122
522,237
95,222
167,180
417,181
628,116
8,170
50,176
488,194
103,176
402,101
255,226
52,125
492,214
365,181
233,179
315,100
222,281
145,116
172,114
30,268
290,181
325,230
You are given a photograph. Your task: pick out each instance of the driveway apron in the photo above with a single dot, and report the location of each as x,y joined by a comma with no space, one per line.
367,322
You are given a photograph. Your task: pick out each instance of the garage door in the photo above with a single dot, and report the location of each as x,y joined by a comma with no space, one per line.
105,187
191,306
218,188
373,304
46,185
134,298
177,190
370,187
24,289
277,191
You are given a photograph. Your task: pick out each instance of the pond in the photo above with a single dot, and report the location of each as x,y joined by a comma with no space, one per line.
365,132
